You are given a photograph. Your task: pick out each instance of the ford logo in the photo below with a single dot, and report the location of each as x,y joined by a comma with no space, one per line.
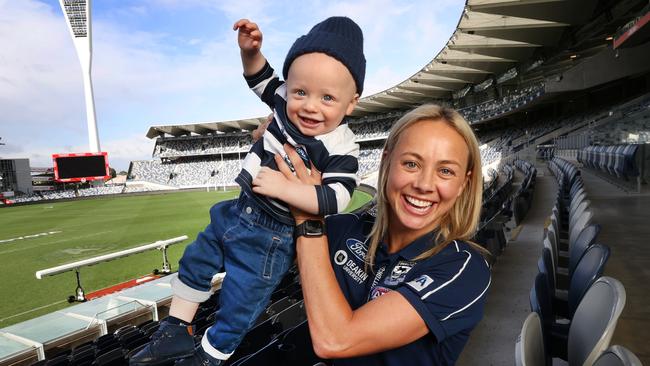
357,248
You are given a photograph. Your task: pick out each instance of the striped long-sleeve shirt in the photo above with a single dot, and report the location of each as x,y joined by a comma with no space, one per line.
335,154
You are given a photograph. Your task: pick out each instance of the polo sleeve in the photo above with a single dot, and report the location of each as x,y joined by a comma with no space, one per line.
449,294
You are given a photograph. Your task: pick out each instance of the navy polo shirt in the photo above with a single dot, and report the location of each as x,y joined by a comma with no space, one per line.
448,290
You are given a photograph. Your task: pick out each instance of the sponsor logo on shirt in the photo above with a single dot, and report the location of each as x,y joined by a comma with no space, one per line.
378,291
357,248
420,283
399,273
340,257
350,267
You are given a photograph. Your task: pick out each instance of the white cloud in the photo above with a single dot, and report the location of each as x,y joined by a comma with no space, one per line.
125,150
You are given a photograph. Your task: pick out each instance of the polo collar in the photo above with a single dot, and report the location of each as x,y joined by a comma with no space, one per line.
411,251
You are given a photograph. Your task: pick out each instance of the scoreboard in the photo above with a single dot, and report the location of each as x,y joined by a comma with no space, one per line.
81,167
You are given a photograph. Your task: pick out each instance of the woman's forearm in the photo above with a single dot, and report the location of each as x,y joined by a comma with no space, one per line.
328,311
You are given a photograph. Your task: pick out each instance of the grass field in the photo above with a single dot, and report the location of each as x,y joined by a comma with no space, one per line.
77,230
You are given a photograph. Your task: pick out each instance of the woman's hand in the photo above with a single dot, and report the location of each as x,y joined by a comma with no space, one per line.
301,176
259,131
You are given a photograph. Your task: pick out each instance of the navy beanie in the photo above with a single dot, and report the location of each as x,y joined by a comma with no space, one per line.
338,37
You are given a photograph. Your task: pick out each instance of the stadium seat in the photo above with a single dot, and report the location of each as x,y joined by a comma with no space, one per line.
529,349
149,328
589,269
617,356
61,360
580,223
267,355
585,239
551,269
82,355
296,346
631,168
124,329
578,212
594,321
112,358
542,304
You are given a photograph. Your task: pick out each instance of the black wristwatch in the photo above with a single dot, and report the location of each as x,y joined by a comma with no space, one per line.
310,229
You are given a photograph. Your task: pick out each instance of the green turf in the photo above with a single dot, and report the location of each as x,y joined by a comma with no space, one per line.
89,228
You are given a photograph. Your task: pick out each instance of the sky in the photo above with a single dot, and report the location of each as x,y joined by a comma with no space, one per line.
161,62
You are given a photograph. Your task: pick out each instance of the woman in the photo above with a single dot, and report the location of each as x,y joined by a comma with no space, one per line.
404,286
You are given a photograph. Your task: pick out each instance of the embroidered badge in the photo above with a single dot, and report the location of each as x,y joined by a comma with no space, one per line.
420,283
398,273
378,291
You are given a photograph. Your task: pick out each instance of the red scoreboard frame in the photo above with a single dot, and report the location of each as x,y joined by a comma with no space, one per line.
57,159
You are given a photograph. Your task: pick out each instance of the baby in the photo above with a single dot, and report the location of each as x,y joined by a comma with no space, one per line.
252,237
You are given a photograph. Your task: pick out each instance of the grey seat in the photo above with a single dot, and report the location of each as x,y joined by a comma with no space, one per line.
529,349
579,224
617,356
578,210
595,320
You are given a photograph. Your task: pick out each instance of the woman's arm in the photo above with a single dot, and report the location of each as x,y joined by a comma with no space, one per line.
338,331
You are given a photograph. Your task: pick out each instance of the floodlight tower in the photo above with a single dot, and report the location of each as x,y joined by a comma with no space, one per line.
77,16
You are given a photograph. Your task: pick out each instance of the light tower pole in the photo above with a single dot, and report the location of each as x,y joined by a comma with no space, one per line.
77,16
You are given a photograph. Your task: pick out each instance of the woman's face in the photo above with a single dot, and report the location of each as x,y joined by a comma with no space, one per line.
427,174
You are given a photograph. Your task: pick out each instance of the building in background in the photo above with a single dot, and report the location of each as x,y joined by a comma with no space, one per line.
16,176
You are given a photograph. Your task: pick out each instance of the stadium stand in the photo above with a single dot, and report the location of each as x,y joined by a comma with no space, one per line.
514,100
574,309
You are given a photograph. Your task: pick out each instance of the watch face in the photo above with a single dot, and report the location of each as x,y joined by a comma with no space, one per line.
313,227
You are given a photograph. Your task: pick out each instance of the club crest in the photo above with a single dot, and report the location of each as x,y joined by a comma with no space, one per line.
398,273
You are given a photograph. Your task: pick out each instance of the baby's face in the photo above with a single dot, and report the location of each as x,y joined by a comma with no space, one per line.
320,92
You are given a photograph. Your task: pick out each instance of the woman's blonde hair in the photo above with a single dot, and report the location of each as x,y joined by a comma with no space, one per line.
461,221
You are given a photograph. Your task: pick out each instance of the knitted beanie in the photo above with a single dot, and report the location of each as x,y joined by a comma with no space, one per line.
338,37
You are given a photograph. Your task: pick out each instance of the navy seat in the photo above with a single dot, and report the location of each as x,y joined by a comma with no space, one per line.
585,239
551,308
589,269
631,169
61,360
111,358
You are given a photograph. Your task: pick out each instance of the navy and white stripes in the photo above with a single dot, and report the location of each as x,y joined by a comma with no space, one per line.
334,154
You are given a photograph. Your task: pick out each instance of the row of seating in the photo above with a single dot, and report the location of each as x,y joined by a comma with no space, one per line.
499,205
616,160
280,336
523,198
573,309
108,350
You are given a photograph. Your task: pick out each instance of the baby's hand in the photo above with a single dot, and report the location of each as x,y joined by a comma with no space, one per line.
249,36
270,183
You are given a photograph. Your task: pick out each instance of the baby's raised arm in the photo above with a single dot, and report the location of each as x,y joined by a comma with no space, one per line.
249,38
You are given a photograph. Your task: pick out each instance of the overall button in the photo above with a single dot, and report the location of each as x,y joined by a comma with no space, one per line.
249,210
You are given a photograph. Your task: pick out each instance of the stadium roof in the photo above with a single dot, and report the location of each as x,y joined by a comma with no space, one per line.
492,37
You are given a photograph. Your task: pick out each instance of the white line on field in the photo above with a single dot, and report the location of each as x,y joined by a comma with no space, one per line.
32,310
30,236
